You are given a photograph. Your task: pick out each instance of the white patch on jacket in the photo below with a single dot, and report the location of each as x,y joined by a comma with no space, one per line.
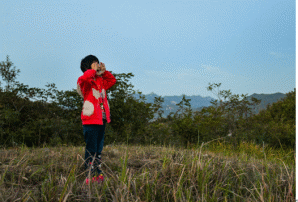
79,90
88,108
96,93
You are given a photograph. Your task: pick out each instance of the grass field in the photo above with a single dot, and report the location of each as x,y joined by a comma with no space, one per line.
213,172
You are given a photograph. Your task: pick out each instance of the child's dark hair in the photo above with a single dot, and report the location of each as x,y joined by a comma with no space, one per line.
87,62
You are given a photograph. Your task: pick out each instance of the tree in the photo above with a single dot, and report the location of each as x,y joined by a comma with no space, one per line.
276,125
157,106
211,123
130,115
8,73
183,105
34,116
182,123
234,109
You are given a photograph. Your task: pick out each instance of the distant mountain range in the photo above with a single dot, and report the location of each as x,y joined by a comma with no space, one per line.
265,100
198,102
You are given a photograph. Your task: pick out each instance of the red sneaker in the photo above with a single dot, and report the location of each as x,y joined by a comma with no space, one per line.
88,181
98,179
101,177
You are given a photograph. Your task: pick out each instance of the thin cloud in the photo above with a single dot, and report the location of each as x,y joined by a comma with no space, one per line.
215,71
276,54
211,69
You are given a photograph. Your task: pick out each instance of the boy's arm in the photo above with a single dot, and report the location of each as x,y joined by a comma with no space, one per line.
108,79
84,81
87,76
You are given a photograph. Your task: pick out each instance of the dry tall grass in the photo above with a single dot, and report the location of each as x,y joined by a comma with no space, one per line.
147,173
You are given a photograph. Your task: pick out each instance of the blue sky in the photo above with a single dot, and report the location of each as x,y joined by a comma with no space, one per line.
172,47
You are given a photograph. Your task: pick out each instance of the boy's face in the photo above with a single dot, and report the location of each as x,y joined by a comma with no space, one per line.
95,66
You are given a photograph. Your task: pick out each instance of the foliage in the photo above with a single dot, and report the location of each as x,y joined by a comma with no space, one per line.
223,118
130,116
182,124
36,116
211,124
276,125
8,74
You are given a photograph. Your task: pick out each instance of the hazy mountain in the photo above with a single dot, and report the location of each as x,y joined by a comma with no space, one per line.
266,99
197,101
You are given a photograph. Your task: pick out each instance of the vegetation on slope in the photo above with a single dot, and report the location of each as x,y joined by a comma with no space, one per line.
211,172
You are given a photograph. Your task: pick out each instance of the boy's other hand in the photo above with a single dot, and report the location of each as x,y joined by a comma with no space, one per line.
102,67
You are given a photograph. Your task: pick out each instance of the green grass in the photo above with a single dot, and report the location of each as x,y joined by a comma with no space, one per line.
211,172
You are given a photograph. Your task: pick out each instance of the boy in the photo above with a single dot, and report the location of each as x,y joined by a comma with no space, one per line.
92,87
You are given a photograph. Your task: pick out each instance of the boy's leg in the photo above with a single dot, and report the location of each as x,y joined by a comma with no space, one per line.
100,142
91,136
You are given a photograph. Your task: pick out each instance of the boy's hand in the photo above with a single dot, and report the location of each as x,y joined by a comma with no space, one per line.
102,69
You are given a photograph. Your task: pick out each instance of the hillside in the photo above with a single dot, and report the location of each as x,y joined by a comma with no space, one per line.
197,101
149,173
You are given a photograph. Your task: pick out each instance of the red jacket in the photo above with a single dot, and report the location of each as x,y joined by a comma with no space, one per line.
93,89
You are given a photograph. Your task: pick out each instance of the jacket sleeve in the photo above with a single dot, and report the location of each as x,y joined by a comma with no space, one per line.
84,81
108,79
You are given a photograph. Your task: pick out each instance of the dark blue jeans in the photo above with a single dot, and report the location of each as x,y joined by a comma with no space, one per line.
94,138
